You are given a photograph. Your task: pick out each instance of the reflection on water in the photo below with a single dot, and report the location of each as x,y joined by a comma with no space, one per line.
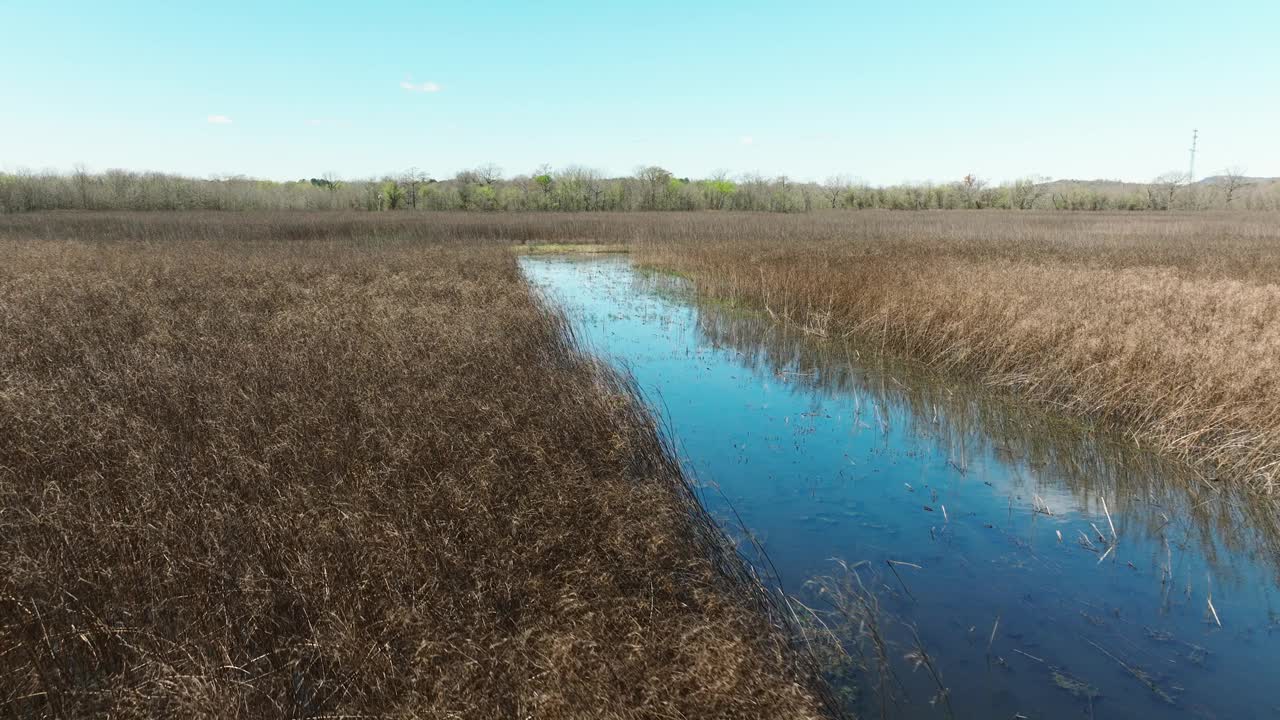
984,527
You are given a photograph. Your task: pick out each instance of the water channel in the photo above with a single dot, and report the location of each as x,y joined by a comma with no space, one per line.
1047,571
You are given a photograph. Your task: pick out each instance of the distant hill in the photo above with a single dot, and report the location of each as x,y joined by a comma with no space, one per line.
1222,180
1121,185
1096,184
1215,191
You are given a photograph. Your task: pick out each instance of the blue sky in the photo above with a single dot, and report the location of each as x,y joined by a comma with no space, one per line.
886,92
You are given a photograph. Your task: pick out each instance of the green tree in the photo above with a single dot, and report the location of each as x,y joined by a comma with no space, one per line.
392,195
717,191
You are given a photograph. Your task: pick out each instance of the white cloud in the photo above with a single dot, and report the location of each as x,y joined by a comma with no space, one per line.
315,123
219,120
423,87
747,140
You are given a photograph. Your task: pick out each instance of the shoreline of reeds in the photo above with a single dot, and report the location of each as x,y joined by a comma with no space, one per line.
1165,330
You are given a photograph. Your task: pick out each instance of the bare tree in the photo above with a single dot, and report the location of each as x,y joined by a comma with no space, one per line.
83,182
835,188
1233,180
592,187
781,200
488,174
1164,189
120,182
578,188
970,189
806,195
413,179
654,179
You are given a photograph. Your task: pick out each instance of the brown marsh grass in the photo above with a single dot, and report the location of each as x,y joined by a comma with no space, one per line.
1164,327
325,466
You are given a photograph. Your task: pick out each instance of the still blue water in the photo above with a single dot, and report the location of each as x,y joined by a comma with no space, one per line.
1025,599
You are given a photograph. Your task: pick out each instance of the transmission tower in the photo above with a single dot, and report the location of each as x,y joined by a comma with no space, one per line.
1191,174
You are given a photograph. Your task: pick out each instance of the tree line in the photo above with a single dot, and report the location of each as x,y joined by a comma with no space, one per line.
580,189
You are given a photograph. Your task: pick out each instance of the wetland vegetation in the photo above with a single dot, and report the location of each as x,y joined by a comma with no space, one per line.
1166,328
917,361
328,463
299,466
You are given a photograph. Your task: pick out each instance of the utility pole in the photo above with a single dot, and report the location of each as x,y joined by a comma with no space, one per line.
1191,174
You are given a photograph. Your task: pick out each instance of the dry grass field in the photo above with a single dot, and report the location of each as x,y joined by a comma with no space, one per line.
304,465
345,464
1164,326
